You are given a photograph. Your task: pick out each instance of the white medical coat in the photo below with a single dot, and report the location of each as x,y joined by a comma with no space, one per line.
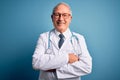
55,58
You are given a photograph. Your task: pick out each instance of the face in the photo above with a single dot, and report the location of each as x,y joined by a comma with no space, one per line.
61,18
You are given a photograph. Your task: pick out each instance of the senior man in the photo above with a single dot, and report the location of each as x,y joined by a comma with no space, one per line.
61,54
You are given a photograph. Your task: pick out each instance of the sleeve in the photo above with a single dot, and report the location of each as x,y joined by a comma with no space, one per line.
79,68
43,61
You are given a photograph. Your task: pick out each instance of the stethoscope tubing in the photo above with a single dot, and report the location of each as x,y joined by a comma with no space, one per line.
73,36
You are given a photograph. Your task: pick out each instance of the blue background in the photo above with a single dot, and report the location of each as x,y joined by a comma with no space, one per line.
21,22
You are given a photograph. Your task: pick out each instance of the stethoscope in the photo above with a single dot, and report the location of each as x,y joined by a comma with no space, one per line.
76,48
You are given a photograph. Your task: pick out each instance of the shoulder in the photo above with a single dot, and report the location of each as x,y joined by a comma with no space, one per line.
47,33
78,35
43,35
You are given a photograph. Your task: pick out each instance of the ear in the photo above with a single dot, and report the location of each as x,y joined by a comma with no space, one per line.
71,17
51,16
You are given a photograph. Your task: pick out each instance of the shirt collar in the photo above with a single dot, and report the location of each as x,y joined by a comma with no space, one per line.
67,33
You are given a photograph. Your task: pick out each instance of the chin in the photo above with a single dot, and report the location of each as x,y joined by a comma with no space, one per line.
61,28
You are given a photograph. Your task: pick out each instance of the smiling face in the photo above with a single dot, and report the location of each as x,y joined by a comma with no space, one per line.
61,18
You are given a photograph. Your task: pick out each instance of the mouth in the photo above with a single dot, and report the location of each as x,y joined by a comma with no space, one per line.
60,23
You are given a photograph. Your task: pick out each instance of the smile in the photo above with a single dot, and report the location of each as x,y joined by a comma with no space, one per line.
60,22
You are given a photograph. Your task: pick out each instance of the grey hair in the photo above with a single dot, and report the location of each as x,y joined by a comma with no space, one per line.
62,3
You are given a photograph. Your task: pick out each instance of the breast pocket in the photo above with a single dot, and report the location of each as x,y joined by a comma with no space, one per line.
76,47
68,50
51,51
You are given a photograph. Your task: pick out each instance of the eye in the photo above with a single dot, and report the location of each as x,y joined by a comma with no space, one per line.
56,14
65,15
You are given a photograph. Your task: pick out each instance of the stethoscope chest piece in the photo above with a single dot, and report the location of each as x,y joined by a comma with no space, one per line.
48,51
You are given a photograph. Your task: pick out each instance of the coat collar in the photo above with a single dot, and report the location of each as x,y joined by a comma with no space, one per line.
54,37
67,33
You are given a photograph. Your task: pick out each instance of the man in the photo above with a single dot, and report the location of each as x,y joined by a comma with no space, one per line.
61,54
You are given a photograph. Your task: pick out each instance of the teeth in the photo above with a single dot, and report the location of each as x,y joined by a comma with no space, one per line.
60,22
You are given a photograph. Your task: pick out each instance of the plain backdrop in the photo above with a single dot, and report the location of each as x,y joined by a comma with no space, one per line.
21,22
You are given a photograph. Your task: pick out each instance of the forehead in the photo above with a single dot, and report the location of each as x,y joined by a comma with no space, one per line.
62,9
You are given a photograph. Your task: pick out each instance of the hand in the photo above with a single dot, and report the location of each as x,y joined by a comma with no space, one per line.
73,58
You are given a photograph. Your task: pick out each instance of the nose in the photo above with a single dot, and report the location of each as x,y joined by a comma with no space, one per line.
60,17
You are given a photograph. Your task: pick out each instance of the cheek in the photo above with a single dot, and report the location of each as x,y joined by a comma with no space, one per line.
54,21
68,22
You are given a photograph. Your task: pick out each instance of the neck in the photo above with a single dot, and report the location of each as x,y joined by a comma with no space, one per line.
61,31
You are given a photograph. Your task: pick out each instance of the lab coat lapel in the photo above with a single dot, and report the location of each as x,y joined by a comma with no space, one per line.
65,44
54,40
